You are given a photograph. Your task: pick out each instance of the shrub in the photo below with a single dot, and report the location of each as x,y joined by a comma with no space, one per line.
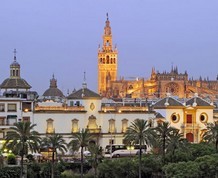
9,172
11,159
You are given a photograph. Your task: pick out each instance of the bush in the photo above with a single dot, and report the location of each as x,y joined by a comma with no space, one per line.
116,168
205,166
33,170
9,172
11,159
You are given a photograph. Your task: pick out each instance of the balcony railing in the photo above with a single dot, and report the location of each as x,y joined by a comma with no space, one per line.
59,108
190,126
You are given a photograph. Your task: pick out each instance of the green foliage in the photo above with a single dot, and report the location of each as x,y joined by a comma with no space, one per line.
200,149
151,165
11,159
117,168
181,169
30,158
206,166
46,170
21,139
179,156
10,172
33,170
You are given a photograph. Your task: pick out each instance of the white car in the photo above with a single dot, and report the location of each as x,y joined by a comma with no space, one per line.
125,153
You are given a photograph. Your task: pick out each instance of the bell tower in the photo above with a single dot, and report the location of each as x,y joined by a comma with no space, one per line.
107,60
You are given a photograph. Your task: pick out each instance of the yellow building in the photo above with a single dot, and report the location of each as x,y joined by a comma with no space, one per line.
107,60
156,86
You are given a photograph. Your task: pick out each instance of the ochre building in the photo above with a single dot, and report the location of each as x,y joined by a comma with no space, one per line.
158,84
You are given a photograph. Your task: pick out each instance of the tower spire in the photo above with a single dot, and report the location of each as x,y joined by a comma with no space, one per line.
15,57
84,81
107,16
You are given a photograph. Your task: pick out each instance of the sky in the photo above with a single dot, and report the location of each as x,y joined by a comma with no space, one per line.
61,37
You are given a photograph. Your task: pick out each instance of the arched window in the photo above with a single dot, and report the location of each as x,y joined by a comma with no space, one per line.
111,126
107,59
124,125
50,128
75,127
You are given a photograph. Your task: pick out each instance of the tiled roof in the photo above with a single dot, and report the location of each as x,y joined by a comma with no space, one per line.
83,94
168,101
198,101
158,115
16,83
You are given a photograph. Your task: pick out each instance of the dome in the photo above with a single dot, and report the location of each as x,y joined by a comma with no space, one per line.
15,83
53,91
15,64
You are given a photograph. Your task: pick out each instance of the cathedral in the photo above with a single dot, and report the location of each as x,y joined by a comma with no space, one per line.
157,86
108,113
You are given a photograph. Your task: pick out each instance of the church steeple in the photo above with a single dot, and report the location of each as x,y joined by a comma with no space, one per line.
107,28
53,82
107,59
15,67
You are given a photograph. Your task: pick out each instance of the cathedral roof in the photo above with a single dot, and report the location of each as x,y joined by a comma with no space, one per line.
53,89
15,83
83,93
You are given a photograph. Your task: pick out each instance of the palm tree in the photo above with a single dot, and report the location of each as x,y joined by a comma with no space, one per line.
83,138
211,135
163,131
21,139
73,146
176,141
139,133
96,156
54,142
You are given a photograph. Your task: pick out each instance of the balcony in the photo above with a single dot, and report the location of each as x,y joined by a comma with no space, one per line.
190,126
59,108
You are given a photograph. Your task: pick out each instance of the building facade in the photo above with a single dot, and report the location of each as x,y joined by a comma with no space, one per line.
155,86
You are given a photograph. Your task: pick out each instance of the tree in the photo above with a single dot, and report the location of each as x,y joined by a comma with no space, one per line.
83,138
21,139
73,146
211,136
176,141
54,142
96,156
163,132
139,133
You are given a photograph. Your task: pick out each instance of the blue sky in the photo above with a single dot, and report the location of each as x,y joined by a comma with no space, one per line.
62,37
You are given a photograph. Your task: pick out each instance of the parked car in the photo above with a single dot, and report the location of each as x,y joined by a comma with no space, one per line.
125,153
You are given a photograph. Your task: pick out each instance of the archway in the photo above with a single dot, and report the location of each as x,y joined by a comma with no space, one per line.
190,137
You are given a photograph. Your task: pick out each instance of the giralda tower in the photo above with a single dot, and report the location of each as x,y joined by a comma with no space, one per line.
107,60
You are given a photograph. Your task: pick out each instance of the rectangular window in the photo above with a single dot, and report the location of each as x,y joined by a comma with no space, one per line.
71,103
2,120
2,107
11,119
12,107
26,106
26,119
189,118
111,141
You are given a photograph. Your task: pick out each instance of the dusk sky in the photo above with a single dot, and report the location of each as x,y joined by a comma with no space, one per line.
61,37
